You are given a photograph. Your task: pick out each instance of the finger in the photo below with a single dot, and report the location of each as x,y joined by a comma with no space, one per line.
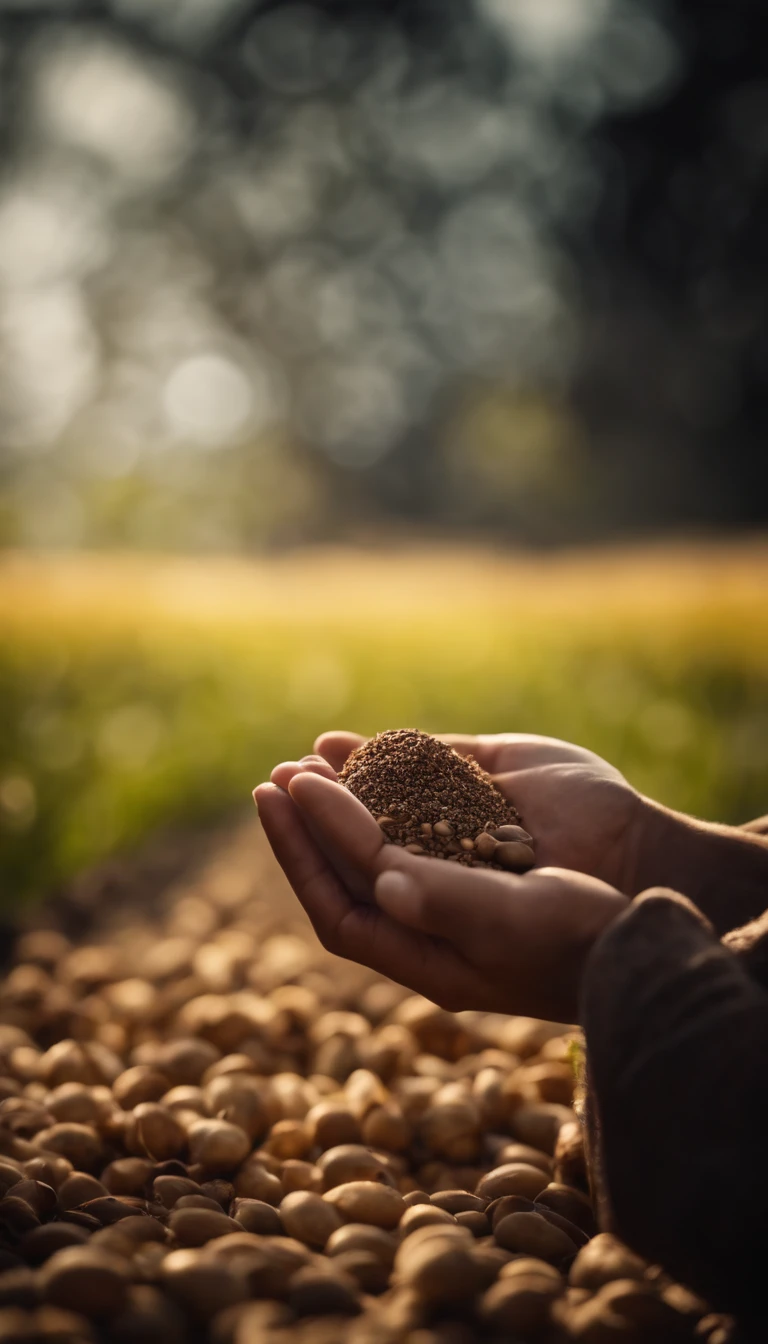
340,818
287,770
360,933
503,752
335,747
312,877
427,965
445,900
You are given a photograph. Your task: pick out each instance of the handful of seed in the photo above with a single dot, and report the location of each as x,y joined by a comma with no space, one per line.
432,801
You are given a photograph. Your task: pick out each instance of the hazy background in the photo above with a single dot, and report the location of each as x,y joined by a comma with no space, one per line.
373,315
279,272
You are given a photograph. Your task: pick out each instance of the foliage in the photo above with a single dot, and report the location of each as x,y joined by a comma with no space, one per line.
134,693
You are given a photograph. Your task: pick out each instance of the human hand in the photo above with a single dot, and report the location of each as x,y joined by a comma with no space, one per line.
463,937
581,811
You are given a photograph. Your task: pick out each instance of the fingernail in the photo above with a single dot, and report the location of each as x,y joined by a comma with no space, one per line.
394,890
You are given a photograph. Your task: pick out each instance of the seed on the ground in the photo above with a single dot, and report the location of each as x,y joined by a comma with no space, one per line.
514,1178
521,1305
424,1215
217,1145
309,1218
86,1279
77,1189
367,1202
363,1237
531,1234
439,1270
318,1292
350,1162
196,1227
254,1215
444,829
603,1259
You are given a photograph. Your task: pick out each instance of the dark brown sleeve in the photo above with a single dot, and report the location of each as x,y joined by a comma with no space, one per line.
677,1044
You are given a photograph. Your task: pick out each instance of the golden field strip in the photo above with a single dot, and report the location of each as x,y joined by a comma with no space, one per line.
139,690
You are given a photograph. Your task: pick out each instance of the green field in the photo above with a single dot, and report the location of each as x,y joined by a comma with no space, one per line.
137,692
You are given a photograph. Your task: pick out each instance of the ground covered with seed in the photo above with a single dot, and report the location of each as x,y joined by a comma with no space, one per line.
212,1132
429,799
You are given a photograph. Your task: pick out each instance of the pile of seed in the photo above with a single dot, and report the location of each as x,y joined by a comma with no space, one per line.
432,801
211,1132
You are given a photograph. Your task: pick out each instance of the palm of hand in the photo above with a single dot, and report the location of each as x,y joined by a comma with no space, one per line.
582,818
580,809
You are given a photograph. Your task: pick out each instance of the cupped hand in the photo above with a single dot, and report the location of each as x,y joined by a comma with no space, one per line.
581,811
463,937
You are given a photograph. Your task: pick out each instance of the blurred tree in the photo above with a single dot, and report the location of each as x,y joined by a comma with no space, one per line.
273,272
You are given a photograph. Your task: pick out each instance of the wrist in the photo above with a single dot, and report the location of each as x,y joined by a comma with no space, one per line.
723,870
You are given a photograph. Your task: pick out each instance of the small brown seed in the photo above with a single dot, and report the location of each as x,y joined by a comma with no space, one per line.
603,1259
533,1235
141,1083
512,833
127,1176
217,1145
479,1224
80,1144
486,846
370,1275
426,829
350,1162
423,1215
506,1204
539,1124
9,1176
18,1287
159,1131
515,856
253,1181
467,844
522,1152
200,1201
86,1279
459,1201
367,1202
440,1269
110,1209
203,1286
169,1189
42,1242
444,828
309,1218
254,1215
77,1189
415,1197
195,1227
363,1237
316,1292
330,1124
514,1178
452,1130
521,1305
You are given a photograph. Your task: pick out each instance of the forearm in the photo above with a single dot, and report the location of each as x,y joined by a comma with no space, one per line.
722,869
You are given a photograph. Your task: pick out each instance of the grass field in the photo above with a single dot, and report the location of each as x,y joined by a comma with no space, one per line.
136,692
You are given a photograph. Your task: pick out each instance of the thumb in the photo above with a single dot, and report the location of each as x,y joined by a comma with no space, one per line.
443,900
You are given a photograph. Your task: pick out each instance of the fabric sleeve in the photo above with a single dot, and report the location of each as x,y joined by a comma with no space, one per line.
677,1050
